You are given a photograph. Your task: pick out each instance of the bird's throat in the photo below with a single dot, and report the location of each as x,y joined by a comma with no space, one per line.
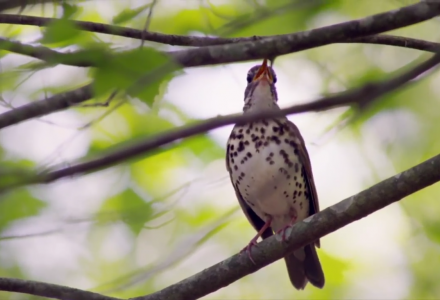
261,99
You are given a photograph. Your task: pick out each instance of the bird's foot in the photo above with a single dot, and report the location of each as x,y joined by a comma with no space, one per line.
248,248
282,231
253,242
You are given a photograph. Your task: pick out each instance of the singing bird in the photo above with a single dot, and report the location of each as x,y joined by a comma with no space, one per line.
270,170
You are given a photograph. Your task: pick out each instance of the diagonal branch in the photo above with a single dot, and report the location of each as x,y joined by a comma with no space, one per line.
397,41
302,233
84,58
295,42
361,96
46,106
48,290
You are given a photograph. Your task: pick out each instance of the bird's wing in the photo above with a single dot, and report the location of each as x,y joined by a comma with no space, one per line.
252,217
307,167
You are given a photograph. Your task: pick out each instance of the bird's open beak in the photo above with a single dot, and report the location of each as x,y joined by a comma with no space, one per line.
263,72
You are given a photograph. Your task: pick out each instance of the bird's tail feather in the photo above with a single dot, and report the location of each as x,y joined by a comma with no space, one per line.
304,268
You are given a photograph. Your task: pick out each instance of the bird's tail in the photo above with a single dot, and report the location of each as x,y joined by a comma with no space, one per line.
303,266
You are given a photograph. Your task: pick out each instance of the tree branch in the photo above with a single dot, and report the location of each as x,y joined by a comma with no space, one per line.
201,41
275,45
398,41
46,106
361,96
169,39
302,233
48,290
84,58
289,43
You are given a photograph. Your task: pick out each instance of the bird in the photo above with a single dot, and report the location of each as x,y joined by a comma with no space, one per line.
271,172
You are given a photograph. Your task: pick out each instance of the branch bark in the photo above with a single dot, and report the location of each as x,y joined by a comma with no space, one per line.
302,233
270,46
48,290
361,96
84,58
289,43
201,41
46,106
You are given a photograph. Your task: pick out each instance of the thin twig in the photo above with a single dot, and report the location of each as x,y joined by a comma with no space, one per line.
46,106
147,22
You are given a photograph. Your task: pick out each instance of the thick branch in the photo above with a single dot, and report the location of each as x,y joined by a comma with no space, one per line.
289,43
201,41
302,233
275,45
87,59
361,96
48,290
45,106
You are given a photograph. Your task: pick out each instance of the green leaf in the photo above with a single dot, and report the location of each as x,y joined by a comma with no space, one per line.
9,79
17,205
60,31
204,148
128,14
15,173
127,70
128,207
69,11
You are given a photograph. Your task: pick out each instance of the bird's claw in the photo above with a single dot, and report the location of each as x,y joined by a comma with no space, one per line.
282,231
248,248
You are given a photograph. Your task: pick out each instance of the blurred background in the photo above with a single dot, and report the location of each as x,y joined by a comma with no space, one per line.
145,224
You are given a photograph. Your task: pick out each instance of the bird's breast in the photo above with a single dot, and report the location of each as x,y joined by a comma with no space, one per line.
266,170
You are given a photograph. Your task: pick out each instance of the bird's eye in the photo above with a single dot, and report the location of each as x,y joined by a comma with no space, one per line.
249,77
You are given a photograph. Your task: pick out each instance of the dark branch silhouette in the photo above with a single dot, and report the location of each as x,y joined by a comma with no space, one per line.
45,106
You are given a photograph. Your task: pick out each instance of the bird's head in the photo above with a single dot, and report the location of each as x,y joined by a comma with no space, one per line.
260,92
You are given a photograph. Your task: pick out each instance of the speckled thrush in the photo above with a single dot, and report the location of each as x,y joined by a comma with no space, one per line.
272,176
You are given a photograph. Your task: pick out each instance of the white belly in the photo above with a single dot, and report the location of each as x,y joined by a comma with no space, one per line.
271,183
